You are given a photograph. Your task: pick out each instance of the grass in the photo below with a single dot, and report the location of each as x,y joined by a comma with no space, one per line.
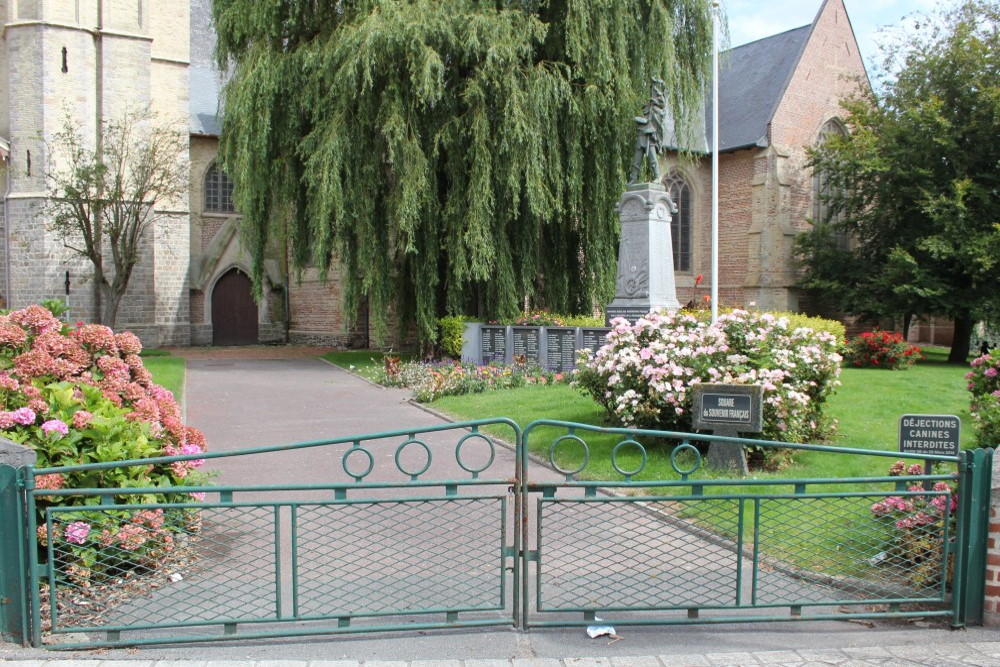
166,369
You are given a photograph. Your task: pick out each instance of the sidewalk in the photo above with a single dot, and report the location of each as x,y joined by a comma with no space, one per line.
236,401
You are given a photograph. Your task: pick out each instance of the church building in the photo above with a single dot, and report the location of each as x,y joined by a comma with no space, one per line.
93,59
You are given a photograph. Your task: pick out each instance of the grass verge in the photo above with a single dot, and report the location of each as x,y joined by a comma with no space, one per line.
167,370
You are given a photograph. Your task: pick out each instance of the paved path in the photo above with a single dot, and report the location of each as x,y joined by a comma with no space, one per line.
241,403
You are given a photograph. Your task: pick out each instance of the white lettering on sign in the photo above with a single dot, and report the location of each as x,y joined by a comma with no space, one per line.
727,413
727,402
924,422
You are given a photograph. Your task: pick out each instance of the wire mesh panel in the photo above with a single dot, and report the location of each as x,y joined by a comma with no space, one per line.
396,557
604,554
867,559
140,566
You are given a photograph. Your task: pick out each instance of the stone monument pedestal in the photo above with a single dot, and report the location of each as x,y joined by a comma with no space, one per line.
645,254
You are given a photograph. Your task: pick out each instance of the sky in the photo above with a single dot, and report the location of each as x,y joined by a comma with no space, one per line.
752,19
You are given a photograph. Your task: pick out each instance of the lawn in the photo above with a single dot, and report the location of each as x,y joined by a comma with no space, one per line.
166,369
363,362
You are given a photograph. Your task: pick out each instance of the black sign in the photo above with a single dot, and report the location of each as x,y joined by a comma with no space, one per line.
494,344
929,434
593,339
629,313
526,343
732,408
726,408
561,348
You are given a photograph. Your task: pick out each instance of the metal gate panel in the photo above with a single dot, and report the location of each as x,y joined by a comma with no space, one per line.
413,532
705,547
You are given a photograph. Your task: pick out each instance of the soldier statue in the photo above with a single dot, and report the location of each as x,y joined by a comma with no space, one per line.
650,130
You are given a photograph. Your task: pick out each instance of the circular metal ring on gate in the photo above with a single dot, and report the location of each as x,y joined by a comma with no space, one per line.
458,453
413,473
552,454
683,447
359,450
614,458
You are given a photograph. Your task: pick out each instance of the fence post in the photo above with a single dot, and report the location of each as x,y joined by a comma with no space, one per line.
992,612
13,587
974,489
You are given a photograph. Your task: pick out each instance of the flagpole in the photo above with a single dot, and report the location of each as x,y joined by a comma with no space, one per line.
715,160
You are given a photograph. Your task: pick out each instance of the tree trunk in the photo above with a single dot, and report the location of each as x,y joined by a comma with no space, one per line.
111,300
960,343
907,321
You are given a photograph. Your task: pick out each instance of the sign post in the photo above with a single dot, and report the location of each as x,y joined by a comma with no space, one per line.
728,410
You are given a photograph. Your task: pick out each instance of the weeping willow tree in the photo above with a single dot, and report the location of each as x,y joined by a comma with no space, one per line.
447,153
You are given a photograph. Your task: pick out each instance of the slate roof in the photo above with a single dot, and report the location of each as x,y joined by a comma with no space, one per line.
752,81
205,84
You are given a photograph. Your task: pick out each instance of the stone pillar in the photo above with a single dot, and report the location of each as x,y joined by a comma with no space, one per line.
645,254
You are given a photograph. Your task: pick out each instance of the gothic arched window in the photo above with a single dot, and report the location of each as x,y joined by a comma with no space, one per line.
680,223
822,188
218,191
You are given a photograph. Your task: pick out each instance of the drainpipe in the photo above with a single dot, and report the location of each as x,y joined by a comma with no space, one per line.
98,140
6,234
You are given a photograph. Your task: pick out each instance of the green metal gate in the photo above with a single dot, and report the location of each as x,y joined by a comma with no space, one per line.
614,539
414,532
444,527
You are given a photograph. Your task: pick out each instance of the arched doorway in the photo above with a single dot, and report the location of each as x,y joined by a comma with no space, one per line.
234,313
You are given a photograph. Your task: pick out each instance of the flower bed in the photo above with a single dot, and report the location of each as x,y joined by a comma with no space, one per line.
430,381
643,376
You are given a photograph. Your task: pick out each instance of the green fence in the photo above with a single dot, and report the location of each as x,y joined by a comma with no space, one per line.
445,526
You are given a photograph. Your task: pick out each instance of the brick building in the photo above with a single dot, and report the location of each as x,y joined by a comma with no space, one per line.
95,58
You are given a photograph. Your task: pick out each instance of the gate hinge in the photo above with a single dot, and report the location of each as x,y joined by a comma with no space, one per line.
532,555
508,552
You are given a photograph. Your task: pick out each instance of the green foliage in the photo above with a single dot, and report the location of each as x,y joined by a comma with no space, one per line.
447,152
450,330
817,324
881,349
57,307
914,183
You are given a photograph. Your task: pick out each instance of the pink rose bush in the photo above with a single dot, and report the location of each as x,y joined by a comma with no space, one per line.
984,385
79,395
644,374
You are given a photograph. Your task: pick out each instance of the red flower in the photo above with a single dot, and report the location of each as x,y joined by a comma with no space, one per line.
698,279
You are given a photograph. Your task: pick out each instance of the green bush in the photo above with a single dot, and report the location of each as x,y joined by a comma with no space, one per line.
450,331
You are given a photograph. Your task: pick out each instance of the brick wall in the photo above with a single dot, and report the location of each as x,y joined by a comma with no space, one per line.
992,616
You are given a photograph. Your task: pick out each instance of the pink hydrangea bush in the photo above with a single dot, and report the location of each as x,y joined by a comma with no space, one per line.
79,395
645,373
984,385
914,526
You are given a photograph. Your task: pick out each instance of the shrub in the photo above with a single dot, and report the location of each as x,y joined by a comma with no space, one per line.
915,523
644,374
82,395
450,331
881,349
984,384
